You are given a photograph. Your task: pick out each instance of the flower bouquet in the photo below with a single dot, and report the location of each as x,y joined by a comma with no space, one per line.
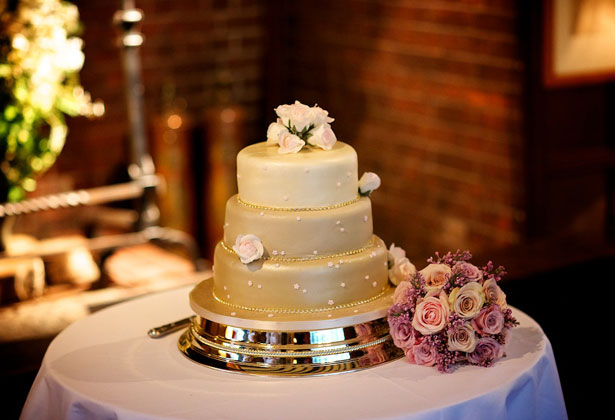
40,60
449,313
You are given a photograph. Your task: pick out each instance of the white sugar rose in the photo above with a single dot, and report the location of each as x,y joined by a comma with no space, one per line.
323,137
274,131
395,253
494,294
402,270
468,300
248,248
289,143
297,115
319,116
462,338
369,182
436,276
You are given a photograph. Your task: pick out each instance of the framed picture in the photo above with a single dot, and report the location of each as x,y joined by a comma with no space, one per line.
579,42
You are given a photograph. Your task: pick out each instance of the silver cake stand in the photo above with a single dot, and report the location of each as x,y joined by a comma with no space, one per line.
269,343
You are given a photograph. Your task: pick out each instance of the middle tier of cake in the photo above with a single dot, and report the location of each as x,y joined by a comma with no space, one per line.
320,282
301,233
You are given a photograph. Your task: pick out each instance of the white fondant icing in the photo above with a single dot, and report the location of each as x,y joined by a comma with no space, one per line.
287,177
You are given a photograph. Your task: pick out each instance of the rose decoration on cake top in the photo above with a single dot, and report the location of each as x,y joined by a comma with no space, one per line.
298,125
450,312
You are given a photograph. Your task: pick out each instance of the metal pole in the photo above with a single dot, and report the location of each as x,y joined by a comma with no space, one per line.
129,19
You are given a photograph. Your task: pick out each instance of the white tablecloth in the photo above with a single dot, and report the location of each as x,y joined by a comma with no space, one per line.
106,367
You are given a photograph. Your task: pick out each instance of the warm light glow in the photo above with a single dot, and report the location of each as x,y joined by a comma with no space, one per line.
228,116
174,121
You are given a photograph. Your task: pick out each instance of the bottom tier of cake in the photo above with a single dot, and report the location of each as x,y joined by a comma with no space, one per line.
316,343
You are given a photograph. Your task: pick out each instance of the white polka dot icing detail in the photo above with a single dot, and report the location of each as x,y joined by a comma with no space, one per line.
296,286
343,284
249,283
330,302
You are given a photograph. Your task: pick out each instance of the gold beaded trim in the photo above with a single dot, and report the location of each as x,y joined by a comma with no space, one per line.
308,258
298,310
335,206
308,353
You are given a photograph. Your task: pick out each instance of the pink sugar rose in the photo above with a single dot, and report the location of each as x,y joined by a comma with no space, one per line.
402,270
436,276
424,354
248,248
323,137
400,295
469,271
431,314
487,350
289,143
394,254
490,320
274,131
404,336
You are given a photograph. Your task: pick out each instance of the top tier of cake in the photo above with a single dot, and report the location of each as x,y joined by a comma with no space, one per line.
310,179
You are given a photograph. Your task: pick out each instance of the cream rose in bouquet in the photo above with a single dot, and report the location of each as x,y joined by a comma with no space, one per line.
450,312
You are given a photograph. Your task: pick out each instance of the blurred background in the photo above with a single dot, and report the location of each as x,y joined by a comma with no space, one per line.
490,124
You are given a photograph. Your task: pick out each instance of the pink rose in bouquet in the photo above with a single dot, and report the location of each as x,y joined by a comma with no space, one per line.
431,314
467,270
451,313
486,352
490,320
424,353
403,334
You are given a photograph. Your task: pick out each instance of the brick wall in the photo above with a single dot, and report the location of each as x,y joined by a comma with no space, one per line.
429,93
191,47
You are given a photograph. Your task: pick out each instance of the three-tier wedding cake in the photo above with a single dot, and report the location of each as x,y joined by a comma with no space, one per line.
300,282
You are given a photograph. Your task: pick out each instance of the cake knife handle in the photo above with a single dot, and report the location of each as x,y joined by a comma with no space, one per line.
166,329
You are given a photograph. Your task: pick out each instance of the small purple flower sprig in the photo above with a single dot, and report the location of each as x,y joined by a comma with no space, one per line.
489,272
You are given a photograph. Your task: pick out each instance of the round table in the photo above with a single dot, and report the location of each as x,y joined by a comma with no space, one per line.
106,367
